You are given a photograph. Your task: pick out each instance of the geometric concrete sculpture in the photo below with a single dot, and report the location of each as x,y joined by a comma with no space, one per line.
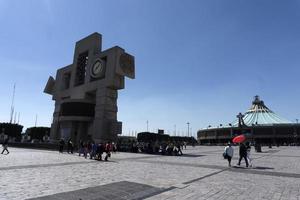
86,92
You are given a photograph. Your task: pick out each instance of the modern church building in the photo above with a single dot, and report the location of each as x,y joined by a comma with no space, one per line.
258,123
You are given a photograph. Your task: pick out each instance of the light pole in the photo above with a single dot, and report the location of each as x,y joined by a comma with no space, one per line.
147,126
35,120
175,129
188,133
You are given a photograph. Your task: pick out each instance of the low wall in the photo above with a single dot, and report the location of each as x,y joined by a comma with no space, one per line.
46,146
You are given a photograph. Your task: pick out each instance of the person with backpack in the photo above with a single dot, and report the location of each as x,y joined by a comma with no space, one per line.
228,153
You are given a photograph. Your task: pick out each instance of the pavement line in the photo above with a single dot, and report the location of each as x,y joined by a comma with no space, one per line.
238,170
188,182
203,177
182,164
287,156
265,173
157,193
43,165
138,158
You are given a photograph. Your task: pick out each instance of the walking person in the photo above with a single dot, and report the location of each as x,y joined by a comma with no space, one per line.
114,147
243,154
248,147
85,149
179,149
70,146
228,153
5,146
61,145
100,150
81,148
108,148
93,151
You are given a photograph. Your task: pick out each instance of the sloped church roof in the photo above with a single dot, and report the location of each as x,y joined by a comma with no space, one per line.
260,114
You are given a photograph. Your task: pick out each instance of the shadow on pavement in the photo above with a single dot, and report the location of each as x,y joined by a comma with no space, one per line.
191,155
257,167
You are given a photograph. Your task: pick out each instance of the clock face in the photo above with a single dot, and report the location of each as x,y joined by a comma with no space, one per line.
97,69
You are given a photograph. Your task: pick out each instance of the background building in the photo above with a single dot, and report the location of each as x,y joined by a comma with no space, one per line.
259,123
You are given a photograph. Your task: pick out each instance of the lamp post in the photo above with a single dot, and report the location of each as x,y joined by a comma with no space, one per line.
175,129
35,120
147,126
188,132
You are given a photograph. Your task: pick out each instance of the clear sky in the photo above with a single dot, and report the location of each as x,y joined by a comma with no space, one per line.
197,61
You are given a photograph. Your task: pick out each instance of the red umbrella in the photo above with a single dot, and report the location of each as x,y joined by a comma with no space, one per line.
239,139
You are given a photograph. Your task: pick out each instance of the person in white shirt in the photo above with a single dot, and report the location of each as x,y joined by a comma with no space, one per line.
248,147
228,153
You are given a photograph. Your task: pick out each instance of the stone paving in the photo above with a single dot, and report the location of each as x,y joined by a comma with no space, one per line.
201,173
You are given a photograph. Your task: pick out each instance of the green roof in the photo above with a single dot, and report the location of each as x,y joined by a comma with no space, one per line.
260,114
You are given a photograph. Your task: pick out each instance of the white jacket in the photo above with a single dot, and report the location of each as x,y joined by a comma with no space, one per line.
229,151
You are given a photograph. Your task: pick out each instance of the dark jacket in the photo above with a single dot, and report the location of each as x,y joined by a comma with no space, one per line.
243,150
5,141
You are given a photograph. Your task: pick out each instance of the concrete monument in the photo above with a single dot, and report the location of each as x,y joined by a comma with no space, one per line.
86,91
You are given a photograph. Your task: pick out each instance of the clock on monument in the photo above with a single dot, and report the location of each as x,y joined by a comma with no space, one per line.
97,69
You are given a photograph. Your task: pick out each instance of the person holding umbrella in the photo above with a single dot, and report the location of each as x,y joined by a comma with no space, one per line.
243,154
243,150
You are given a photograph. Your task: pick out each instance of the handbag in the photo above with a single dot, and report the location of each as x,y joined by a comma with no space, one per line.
225,155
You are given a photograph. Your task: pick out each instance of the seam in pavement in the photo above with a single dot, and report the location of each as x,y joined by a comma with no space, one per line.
157,193
203,177
43,165
186,183
222,168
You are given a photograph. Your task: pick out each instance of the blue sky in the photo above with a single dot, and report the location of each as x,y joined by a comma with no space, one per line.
196,61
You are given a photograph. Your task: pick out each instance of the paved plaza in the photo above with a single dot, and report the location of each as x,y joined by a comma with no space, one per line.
201,173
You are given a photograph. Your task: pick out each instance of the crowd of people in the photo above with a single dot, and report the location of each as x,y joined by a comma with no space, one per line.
164,148
96,150
244,153
90,149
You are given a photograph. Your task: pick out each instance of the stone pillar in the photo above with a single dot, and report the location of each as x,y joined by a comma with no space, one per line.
105,114
54,132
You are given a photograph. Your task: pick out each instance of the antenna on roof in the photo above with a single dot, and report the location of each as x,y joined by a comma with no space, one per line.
12,105
18,117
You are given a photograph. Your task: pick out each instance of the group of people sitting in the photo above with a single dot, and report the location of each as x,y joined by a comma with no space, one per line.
164,148
90,149
244,153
